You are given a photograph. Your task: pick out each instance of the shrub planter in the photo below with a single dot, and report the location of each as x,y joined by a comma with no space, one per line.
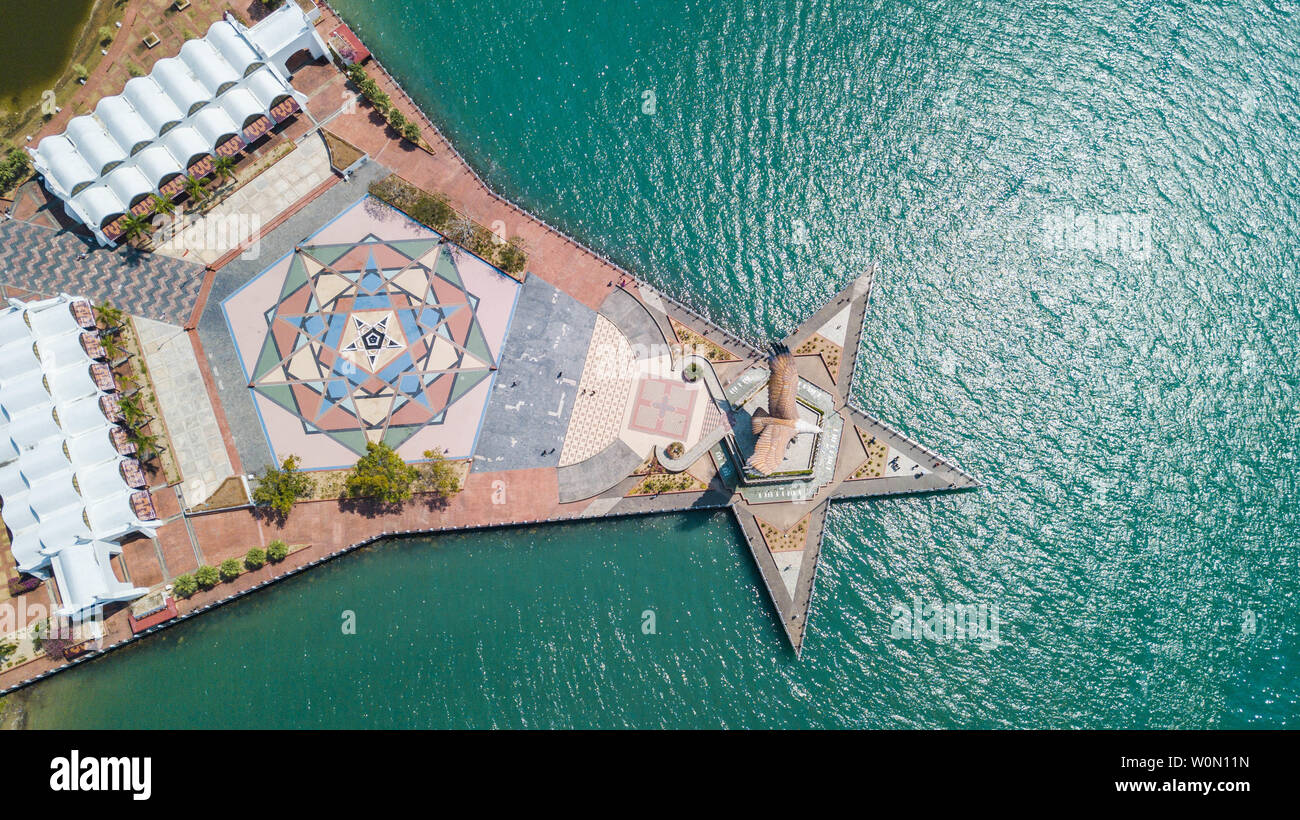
23,584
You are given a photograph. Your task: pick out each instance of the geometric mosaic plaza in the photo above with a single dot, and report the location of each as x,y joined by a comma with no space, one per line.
378,331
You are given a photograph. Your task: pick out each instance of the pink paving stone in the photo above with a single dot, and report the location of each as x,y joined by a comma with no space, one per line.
323,409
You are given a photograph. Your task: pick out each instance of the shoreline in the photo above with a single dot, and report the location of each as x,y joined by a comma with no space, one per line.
567,265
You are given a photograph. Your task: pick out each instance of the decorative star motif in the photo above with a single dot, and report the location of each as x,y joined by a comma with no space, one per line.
372,340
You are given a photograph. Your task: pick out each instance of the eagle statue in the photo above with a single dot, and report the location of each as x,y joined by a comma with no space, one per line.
778,425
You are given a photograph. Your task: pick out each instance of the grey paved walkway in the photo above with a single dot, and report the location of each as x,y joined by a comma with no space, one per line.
537,383
44,260
186,409
634,322
598,473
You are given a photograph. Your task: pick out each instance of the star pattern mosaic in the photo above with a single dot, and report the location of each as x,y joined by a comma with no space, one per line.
374,328
372,340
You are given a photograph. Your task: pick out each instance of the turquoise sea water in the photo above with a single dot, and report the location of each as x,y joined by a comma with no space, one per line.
1085,219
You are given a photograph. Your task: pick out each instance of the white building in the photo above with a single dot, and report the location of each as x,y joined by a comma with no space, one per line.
218,96
67,490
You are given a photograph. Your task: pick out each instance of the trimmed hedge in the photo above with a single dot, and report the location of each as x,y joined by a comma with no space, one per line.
277,551
435,211
230,569
383,104
23,584
185,585
207,577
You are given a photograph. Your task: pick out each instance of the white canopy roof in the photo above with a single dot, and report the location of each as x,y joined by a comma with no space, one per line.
233,47
128,184
86,578
242,106
96,204
93,142
157,164
105,162
28,429
51,317
61,484
184,144
151,103
214,125
211,69
69,168
124,125
175,78
28,393
91,447
70,384
267,86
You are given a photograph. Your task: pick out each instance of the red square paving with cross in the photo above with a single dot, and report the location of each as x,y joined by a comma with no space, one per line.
663,408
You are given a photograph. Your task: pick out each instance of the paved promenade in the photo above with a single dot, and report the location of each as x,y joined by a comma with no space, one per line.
512,483
39,259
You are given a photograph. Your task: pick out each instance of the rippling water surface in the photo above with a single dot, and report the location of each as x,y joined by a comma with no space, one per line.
1086,223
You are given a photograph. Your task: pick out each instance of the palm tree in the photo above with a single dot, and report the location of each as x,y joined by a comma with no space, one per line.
110,318
147,447
134,227
162,205
194,187
223,168
133,412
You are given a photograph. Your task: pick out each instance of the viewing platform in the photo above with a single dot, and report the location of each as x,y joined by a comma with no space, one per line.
571,390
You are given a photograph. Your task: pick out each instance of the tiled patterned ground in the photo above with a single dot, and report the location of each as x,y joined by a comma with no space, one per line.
603,392
186,408
371,329
251,208
42,260
663,407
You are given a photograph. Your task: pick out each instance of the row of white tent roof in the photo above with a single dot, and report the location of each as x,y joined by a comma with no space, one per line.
166,122
63,486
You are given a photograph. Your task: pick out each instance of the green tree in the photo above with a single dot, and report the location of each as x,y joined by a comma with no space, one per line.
162,205
434,211
281,487
134,227
13,169
229,569
397,119
105,35
255,559
381,475
411,131
438,475
194,187
512,258
206,577
147,445
109,317
79,71
223,167
185,585
277,551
